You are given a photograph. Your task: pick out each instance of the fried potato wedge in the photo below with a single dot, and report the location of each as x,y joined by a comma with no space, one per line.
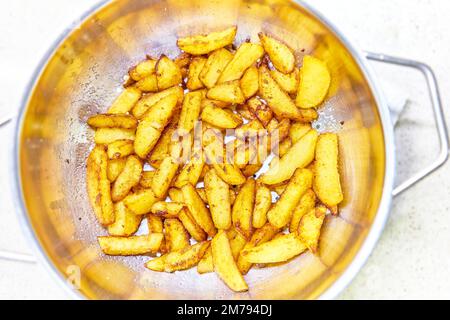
280,213
306,204
125,101
156,264
264,234
176,236
195,68
206,265
243,208
181,259
191,171
148,84
263,202
148,101
191,226
164,176
168,74
98,186
298,130
327,184
115,167
126,223
146,179
237,243
218,196
202,193
261,110
221,118
167,209
249,82
141,201
127,179
229,92
156,225
280,249
246,55
279,53
214,66
299,155
309,227
112,121
314,83
224,264
131,246
287,82
190,111
162,148
203,44
120,149
198,209
151,126
284,147
109,135
278,100
143,70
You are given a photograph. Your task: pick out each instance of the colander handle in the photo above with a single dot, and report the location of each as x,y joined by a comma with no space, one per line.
10,255
438,112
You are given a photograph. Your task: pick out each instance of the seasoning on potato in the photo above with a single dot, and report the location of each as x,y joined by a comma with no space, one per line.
198,147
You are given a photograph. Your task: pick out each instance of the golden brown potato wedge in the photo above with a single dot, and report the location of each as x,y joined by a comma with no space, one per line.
221,118
237,243
314,83
151,126
167,209
109,135
141,201
125,101
190,111
162,148
202,193
206,265
243,209
146,179
229,92
126,223
127,179
279,53
112,121
264,234
306,204
249,82
179,260
148,101
299,155
298,130
278,100
164,176
284,147
263,201
287,82
246,56
155,224
143,69
218,195
195,68
203,44
224,264
191,172
216,63
281,212
148,84
309,227
261,110
115,167
168,74
198,209
98,186
135,245
120,149
176,236
191,226
327,184
280,249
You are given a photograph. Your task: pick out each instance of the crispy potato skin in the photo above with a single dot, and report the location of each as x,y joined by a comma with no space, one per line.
229,92
115,167
112,121
148,101
141,201
125,101
164,176
220,118
224,264
110,135
191,225
214,66
206,265
203,44
195,68
327,183
309,227
168,74
126,223
190,111
177,238
243,209
120,149
127,179
136,245
280,54
306,204
263,202
249,82
218,195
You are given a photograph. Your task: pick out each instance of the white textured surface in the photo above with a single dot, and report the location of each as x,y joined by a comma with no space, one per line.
411,259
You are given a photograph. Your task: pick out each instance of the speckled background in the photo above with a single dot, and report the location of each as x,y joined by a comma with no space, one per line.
410,261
